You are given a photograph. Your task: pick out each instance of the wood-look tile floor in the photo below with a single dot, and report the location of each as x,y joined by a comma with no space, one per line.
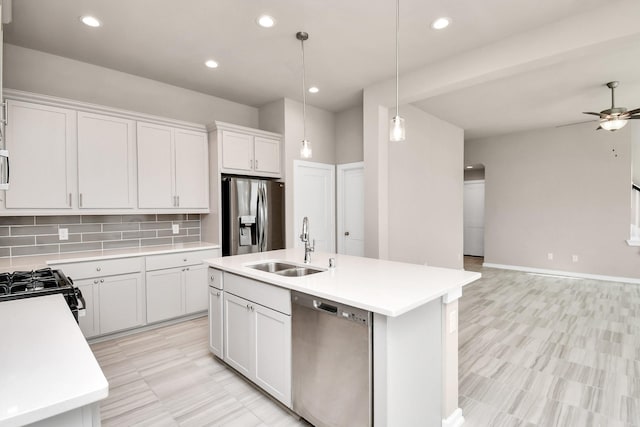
548,351
167,377
534,351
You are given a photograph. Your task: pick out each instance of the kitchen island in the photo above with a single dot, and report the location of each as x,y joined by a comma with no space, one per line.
414,307
48,374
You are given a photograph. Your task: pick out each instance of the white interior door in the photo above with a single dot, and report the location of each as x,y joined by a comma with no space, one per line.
351,209
314,197
474,218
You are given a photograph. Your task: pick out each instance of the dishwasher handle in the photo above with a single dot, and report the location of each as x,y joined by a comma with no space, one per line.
319,305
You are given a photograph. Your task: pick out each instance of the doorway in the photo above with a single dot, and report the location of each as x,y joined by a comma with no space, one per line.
351,209
474,211
314,197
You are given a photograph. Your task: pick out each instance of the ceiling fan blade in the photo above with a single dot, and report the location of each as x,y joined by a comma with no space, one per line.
599,127
632,112
576,123
592,113
633,117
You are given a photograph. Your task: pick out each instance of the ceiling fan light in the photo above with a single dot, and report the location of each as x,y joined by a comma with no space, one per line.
613,124
397,131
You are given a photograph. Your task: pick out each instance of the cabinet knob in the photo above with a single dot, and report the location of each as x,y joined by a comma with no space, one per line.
213,278
101,280
185,260
95,282
346,233
218,293
187,268
98,269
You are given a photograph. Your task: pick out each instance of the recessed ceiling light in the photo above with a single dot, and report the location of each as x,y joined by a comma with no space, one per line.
440,23
314,89
266,21
90,21
469,167
211,63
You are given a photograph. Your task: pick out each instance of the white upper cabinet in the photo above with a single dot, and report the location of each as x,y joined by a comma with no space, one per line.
173,168
156,185
192,169
237,151
246,151
41,140
267,155
106,162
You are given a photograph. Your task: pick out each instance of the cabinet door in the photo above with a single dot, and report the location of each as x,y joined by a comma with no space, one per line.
196,288
106,161
192,169
121,302
215,321
272,357
90,322
237,151
164,294
155,166
267,155
238,334
41,142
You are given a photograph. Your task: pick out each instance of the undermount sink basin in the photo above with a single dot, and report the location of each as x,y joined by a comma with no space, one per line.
298,271
284,269
272,267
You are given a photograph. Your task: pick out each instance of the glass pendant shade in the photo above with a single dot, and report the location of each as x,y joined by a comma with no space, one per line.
614,124
396,132
305,149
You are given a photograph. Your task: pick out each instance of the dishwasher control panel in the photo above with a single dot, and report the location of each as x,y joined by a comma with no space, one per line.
356,317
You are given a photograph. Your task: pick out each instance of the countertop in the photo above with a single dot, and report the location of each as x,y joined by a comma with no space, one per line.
384,287
41,261
46,365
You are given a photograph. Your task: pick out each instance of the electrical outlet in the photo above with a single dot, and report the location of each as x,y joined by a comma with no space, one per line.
175,228
63,233
550,256
453,321
575,258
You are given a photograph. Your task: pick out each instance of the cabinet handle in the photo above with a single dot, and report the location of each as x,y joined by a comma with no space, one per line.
101,280
213,278
248,307
98,269
187,268
184,259
250,164
256,164
218,293
251,308
178,203
95,282
69,199
5,113
80,200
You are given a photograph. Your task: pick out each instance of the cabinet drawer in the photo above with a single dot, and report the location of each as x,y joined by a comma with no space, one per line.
159,262
259,292
107,267
214,278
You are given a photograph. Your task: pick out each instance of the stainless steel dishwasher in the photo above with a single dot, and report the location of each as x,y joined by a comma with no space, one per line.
331,352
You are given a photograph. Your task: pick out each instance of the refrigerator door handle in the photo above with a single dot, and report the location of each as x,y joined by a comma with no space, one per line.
260,214
265,217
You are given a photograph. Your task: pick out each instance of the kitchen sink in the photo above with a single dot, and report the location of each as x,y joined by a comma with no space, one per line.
272,267
298,271
284,269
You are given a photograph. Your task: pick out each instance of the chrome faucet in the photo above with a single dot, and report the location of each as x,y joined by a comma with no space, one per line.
308,248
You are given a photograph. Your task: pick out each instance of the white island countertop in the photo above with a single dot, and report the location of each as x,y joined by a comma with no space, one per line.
384,287
46,365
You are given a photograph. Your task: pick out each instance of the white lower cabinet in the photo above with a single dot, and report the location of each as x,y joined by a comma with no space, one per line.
257,339
174,292
114,303
216,321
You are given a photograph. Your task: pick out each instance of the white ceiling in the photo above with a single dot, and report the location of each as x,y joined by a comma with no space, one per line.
351,46
552,96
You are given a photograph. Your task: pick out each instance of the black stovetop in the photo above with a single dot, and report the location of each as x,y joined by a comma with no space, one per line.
29,283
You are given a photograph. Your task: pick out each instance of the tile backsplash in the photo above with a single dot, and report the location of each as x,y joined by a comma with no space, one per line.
37,235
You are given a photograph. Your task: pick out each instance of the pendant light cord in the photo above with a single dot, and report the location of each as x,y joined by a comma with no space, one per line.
304,96
397,49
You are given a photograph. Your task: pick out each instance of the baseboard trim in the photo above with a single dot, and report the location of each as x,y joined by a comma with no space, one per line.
454,420
563,273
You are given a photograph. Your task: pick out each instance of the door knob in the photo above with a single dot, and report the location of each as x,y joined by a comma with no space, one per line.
346,233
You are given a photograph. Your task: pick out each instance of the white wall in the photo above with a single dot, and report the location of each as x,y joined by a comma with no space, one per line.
425,192
349,136
34,71
560,191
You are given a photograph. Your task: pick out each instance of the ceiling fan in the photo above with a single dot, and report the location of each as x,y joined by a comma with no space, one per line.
615,118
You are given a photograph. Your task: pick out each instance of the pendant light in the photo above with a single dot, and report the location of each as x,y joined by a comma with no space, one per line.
305,149
396,131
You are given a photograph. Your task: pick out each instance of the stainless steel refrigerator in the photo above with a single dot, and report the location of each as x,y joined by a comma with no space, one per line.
252,215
